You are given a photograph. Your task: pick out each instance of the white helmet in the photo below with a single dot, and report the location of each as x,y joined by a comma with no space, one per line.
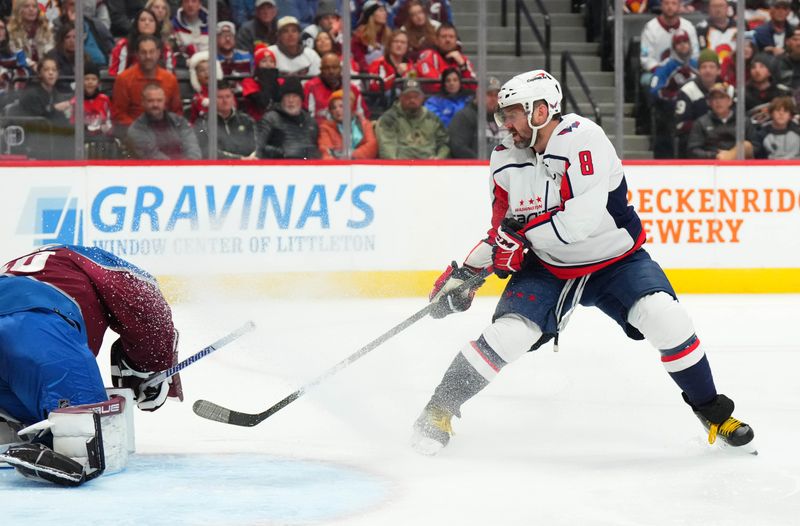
525,89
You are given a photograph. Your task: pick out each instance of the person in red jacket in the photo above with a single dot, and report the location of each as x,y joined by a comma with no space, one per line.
447,54
393,64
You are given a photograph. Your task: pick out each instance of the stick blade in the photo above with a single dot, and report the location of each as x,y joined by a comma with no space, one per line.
217,413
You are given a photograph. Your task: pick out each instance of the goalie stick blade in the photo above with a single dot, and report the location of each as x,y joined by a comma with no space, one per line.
212,411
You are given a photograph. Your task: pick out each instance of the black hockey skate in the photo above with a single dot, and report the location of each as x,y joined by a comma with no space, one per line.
718,422
432,430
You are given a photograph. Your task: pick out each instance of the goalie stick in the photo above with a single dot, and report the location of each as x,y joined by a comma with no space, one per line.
163,375
212,411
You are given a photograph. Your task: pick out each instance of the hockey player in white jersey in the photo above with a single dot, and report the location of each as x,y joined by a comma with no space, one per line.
563,230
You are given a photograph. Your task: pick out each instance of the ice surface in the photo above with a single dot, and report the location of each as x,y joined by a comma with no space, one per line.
596,434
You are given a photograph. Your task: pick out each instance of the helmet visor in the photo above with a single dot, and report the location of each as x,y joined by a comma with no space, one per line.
512,114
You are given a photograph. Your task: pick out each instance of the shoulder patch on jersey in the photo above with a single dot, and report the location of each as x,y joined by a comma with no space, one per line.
500,148
569,128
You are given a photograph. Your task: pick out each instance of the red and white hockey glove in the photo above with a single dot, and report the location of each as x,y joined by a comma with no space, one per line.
443,295
510,250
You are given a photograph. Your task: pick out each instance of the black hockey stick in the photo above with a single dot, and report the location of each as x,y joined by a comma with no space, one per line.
212,411
225,340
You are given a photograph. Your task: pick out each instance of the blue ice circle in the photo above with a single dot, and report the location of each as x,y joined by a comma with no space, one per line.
238,489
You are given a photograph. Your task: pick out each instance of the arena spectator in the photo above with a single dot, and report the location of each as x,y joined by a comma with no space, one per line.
408,131
718,31
190,30
420,29
370,35
770,37
97,11
656,40
713,135
97,40
451,98
756,12
163,12
393,64
122,13
12,64
781,138
64,55
447,54
324,43
235,62
288,131
198,78
236,131
761,90
463,130
241,11
29,31
787,67
262,29
327,20
362,136
665,85
291,56
158,133
126,100
123,55
438,11
98,128
728,66
692,102
302,10
261,91
318,90
42,99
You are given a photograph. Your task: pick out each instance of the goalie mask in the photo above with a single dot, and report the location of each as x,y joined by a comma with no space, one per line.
525,89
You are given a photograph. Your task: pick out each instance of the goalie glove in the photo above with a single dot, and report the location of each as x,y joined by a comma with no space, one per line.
443,296
124,375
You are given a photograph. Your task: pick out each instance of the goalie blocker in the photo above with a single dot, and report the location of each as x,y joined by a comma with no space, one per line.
87,441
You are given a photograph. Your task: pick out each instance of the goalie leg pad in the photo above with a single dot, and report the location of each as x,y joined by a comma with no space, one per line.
39,462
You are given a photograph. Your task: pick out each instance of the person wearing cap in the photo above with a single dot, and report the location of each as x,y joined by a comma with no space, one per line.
235,62
718,31
409,131
447,54
463,129
317,91
190,29
787,69
371,35
236,131
288,131
303,10
262,29
692,103
713,135
98,134
292,57
362,136
760,89
261,91
771,37
665,85
326,19
656,39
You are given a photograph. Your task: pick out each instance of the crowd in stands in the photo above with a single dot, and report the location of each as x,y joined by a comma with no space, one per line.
688,76
280,91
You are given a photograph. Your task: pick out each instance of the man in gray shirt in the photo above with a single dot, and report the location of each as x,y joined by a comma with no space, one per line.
159,134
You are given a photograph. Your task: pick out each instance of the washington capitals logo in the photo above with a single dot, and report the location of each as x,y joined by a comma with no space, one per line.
569,128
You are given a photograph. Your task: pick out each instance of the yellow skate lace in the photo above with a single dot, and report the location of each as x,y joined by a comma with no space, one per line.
442,420
726,428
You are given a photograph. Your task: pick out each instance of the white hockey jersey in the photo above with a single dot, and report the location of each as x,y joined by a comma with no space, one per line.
572,200
656,41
